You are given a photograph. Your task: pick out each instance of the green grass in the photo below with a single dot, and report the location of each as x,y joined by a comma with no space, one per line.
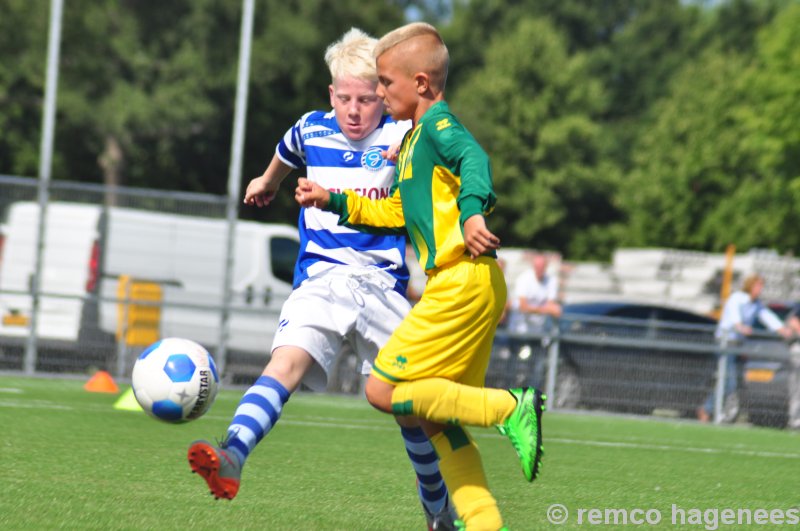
69,460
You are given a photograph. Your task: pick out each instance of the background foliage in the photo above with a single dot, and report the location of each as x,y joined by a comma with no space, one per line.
614,122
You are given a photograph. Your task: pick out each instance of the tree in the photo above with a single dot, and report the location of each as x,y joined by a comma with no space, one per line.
135,116
719,162
769,129
23,51
532,107
688,158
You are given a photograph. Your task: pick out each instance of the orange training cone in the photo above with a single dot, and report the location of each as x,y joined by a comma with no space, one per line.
101,382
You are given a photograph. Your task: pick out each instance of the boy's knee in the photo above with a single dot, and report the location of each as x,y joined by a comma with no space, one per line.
288,365
379,394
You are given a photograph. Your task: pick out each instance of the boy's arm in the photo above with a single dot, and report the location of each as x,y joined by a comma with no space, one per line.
261,190
476,196
353,209
289,155
470,162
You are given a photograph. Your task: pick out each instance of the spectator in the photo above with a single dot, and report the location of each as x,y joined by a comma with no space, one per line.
736,323
534,298
532,307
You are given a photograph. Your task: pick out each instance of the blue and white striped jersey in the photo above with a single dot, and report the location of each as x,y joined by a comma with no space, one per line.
337,163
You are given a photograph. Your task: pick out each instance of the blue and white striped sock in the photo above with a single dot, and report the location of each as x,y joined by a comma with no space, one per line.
432,490
257,413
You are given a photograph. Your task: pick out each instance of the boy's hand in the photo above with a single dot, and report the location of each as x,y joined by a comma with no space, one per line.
260,192
477,237
310,194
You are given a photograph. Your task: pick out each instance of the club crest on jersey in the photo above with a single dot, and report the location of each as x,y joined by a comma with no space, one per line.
399,362
372,159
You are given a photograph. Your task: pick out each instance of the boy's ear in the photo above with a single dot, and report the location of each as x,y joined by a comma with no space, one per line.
332,92
422,81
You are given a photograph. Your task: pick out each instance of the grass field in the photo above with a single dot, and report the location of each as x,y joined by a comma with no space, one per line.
71,461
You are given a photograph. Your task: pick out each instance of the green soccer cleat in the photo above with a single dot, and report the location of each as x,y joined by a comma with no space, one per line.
219,467
524,429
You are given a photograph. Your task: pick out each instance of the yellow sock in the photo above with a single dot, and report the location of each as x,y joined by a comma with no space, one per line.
462,470
446,402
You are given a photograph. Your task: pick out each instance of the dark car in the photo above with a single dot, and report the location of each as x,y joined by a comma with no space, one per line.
765,382
623,357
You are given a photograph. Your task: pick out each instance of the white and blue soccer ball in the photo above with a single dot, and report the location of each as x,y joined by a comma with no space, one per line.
175,380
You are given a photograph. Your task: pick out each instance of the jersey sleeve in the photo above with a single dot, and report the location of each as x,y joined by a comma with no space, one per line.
363,213
769,319
469,161
291,148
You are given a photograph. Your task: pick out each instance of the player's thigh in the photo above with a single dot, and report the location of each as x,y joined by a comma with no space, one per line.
315,320
449,332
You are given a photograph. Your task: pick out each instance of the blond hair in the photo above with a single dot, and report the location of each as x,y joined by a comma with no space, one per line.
352,56
433,57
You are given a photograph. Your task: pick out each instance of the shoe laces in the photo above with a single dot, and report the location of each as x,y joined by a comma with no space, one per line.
223,442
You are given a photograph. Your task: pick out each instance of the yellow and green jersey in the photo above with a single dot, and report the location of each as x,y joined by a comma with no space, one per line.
443,177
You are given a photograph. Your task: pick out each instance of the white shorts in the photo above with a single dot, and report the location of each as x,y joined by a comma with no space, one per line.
342,310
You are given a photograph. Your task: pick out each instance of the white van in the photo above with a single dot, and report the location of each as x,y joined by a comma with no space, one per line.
185,256
70,233
88,249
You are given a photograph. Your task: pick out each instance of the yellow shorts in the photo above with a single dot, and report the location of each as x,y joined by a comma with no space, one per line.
449,332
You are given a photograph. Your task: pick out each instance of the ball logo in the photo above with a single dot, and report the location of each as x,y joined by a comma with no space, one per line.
202,395
372,159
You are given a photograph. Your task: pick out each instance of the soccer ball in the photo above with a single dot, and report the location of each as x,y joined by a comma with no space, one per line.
175,380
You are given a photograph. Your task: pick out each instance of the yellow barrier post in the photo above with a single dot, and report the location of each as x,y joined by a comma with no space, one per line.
137,324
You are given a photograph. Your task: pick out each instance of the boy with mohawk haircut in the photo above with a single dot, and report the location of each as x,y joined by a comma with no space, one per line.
433,367
349,287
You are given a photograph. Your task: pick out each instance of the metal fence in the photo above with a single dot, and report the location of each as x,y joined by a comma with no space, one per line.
648,367
582,361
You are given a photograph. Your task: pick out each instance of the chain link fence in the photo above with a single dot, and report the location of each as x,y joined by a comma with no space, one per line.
651,367
124,267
